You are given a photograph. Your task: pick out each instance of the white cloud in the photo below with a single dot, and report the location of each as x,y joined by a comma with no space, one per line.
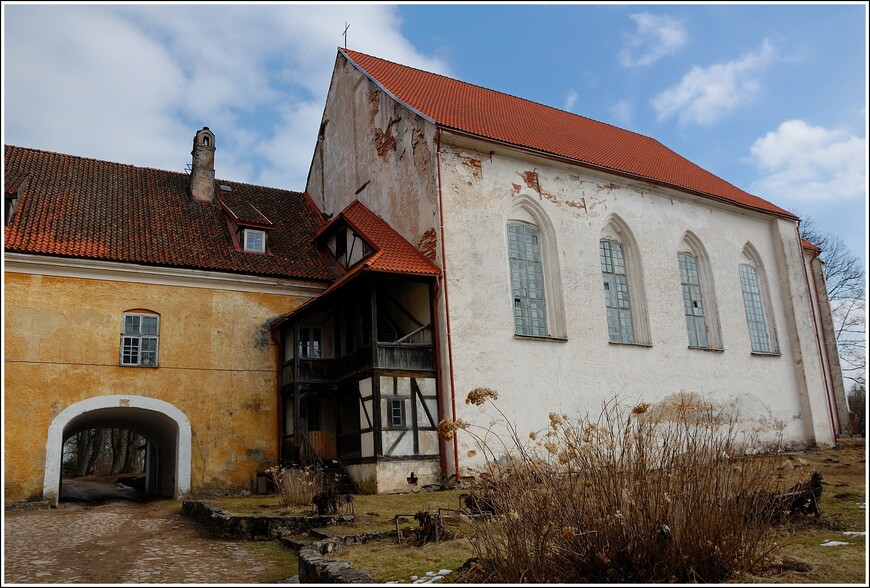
622,112
133,83
810,164
705,95
571,100
656,37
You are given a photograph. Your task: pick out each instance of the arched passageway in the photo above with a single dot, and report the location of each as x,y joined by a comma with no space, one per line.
165,428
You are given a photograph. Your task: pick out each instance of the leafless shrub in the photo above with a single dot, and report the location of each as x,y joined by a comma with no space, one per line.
629,496
297,486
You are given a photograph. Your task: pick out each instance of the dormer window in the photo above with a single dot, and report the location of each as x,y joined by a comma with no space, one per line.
254,240
247,225
11,200
348,247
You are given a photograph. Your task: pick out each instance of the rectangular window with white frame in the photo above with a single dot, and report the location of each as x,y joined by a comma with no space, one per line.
254,240
140,340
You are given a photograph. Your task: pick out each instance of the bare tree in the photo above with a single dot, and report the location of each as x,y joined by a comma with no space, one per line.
845,277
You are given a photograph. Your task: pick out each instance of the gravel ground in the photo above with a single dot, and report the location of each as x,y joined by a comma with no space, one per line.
130,542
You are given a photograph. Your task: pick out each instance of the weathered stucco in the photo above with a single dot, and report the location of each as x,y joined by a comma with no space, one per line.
774,394
830,354
216,365
471,187
388,477
374,150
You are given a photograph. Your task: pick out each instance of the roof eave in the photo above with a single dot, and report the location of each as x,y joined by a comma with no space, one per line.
614,171
385,90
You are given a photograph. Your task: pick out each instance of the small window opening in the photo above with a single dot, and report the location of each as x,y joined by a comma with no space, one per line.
396,415
309,342
139,340
255,240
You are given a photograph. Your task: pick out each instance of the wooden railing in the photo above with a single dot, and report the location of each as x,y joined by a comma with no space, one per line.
316,370
317,446
404,356
394,356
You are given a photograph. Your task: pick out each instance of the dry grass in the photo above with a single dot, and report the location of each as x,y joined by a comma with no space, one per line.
388,561
373,513
297,486
628,496
799,558
796,556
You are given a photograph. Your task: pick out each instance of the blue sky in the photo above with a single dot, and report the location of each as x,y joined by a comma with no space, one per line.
772,98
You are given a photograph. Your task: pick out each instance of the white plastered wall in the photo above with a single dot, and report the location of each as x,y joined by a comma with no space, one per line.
773,394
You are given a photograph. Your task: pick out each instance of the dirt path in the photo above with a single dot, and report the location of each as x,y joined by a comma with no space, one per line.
126,542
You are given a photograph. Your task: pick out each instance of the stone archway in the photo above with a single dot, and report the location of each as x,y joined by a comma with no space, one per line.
165,427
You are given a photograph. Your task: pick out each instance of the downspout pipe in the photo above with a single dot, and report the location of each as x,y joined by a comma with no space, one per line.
446,302
816,329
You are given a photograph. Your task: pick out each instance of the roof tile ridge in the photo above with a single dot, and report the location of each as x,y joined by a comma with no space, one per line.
95,159
502,93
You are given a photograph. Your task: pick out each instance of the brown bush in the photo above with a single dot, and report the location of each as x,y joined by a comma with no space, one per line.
297,485
629,496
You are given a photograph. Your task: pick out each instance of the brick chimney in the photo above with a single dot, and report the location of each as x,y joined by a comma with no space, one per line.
202,172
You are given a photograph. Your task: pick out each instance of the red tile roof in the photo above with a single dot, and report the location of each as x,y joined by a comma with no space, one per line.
393,254
807,245
500,117
86,208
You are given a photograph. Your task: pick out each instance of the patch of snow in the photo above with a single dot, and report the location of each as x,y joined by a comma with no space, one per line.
833,543
854,533
444,572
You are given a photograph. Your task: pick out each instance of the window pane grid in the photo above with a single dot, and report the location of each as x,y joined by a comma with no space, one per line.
616,292
693,304
139,341
754,309
527,280
255,240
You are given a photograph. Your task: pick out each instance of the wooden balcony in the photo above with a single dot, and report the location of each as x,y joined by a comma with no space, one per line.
413,357
406,356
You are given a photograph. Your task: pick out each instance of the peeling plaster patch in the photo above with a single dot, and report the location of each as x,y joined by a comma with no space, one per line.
684,405
422,154
428,244
255,454
254,403
262,340
374,105
578,204
473,165
609,186
384,140
531,180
